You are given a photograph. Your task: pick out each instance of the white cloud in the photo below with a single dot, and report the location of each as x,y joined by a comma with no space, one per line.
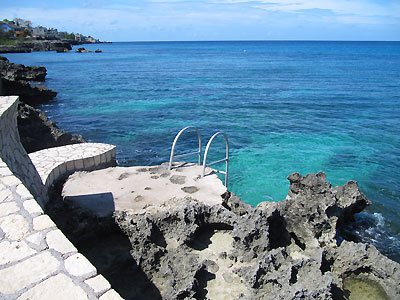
180,19
356,7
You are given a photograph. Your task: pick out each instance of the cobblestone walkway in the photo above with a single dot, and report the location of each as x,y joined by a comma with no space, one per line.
37,261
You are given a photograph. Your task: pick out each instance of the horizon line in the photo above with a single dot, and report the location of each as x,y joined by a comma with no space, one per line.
273,40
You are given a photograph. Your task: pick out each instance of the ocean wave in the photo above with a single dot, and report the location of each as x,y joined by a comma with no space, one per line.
372,228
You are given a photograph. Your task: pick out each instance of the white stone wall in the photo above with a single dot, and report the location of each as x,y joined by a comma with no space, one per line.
56,163
12,152
37,261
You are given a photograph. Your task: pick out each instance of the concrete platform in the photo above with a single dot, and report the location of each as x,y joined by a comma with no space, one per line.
139,188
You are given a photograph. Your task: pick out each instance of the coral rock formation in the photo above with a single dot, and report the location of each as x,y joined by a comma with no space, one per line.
282,250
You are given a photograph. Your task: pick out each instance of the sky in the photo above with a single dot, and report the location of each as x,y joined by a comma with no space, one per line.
210,20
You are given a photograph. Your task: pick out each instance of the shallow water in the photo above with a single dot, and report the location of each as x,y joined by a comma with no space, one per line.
286,107
362,289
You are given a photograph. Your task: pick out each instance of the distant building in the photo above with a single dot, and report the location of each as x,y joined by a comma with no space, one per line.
23,28
10,27
51,34
13,30
39,31
79,37
91,40
61,35
23,23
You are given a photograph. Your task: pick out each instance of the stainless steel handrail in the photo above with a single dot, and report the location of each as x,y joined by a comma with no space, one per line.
226,159
171,159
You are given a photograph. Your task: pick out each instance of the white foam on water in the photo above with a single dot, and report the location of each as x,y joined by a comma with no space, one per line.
372,229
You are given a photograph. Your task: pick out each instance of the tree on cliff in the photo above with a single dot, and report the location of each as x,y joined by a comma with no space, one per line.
8,21
4,36
70,36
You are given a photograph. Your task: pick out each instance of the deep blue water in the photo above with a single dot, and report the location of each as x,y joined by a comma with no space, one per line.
285,106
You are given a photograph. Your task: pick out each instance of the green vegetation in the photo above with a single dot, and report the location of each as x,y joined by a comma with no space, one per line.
69,36
9,42
8,21
6,38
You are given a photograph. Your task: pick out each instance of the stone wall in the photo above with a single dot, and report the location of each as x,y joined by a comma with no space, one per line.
37,261
12,152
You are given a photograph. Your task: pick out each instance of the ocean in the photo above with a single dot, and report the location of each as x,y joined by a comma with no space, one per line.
286,106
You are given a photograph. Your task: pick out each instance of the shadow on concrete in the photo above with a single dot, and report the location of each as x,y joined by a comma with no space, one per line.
102,242
101,204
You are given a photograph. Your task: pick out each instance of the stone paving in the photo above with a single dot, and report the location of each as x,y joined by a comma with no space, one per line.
37,261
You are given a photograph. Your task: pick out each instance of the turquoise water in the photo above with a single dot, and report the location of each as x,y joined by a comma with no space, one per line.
285,106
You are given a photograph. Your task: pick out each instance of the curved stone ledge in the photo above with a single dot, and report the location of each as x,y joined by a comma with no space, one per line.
55,163
13,154
37,261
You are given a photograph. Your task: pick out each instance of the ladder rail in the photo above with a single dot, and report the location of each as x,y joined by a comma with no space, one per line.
172,156
186,154
226,159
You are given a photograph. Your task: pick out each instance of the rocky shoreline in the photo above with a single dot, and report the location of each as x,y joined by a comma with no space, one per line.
33,46
277,250
187,249
36,131
42,45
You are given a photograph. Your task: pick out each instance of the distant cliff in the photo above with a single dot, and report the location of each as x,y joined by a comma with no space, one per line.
19,36
45,45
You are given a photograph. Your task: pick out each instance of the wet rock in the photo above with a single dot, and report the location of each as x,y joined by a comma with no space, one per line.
82,50
13,71
138,198
32,95
123,176
14,49
161,170
177,179
190,189
39,45
37,132
15,81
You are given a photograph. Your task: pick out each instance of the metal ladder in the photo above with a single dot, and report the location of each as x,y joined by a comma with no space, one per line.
226,159
171,159
205,165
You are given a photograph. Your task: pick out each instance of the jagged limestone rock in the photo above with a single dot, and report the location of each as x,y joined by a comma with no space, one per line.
284,250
